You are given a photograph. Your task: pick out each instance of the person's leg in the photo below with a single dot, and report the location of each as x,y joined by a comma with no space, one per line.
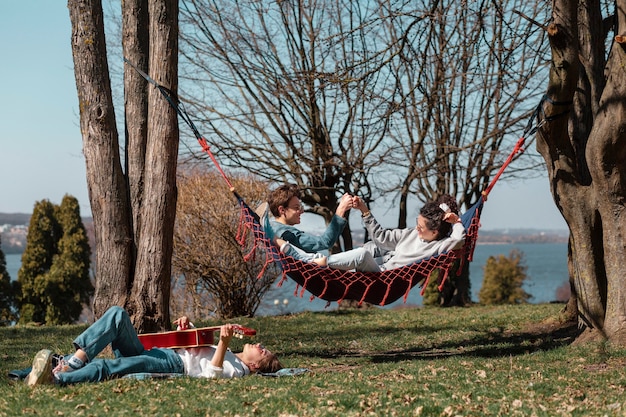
358,259
162,361
114,328
297,253
376,252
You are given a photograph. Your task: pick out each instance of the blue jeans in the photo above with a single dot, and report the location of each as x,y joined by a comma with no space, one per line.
116,329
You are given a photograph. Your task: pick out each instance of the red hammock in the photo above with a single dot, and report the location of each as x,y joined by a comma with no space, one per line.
381,288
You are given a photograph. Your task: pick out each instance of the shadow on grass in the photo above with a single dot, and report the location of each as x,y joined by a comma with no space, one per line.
487,343
491,345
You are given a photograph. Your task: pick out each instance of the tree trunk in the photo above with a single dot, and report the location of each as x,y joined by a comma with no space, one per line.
135,44
149,303
586,160
108,194
134,213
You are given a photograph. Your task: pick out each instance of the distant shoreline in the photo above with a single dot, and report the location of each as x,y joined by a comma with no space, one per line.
14,241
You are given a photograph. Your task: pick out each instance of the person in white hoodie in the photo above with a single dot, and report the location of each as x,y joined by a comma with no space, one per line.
438,230
115,328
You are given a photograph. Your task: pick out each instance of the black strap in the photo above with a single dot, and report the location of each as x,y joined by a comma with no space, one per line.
171,98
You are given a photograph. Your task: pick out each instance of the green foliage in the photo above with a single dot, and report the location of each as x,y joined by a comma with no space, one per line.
54,276
455,292
503,279
432,296
8,291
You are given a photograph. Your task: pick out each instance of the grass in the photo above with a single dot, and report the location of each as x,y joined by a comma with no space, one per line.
477,361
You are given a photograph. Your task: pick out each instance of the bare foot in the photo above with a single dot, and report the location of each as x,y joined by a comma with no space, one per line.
280,243
321,261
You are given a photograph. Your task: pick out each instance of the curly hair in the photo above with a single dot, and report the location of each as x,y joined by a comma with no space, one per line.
281,196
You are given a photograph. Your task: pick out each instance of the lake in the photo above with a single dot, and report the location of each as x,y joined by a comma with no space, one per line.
546,272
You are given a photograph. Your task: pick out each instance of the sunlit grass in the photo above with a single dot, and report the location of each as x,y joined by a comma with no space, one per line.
476,361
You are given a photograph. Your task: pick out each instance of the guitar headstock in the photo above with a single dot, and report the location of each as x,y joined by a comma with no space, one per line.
241,331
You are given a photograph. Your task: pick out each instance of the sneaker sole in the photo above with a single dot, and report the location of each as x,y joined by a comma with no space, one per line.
42,369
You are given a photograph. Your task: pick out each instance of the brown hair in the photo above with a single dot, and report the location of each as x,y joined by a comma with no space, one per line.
281,196
269,364
433,214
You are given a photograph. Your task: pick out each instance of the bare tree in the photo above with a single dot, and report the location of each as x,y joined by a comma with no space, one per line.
133,209
466,88
381,98
208,251
292,91
376,97
585,155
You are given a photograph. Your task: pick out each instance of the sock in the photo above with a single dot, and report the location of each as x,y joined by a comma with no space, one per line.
75,363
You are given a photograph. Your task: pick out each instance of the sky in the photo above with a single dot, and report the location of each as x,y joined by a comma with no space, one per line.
41,145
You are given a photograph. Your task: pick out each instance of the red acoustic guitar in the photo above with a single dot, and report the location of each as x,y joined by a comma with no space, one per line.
188,338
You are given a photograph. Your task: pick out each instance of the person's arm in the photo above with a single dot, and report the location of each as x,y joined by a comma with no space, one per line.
345,204
360,205
308,242
456,240
226,334
385,239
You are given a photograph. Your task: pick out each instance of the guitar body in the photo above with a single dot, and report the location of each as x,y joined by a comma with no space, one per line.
187,338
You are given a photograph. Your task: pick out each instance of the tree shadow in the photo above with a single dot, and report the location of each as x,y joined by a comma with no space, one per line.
487,344
492,345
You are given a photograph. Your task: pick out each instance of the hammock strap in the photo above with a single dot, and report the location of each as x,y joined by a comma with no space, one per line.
541,117
177,105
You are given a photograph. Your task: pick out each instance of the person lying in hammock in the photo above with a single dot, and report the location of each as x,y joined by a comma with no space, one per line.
284,203
438,230
116,329
286,207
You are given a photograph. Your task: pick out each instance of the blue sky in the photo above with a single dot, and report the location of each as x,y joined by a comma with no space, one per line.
41,146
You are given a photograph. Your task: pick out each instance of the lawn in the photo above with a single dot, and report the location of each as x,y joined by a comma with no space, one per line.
476,361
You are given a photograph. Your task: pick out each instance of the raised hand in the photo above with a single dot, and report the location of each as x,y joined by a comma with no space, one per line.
345,204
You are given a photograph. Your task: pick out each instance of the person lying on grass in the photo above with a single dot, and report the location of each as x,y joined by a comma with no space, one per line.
116,329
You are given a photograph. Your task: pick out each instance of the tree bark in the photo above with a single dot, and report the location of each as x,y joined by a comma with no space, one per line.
149,303
585,160
133,212
106,183
135,45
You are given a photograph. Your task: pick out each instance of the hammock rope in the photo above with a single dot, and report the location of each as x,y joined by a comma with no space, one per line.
331,284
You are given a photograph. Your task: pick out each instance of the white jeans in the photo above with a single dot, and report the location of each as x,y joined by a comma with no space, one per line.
359,259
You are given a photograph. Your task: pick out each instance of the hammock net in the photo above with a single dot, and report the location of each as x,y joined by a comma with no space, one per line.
330,284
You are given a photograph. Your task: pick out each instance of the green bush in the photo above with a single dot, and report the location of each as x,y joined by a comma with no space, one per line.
54,276
8,289
455,291
503,279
